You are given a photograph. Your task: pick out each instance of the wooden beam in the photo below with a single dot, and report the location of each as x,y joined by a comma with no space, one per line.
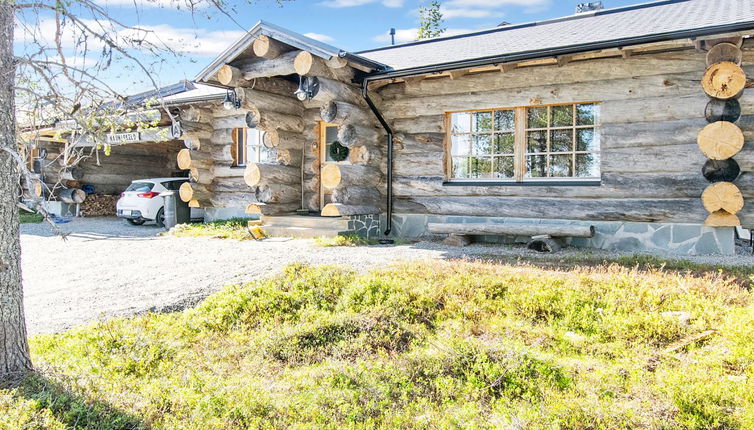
564,59
507,67
456,74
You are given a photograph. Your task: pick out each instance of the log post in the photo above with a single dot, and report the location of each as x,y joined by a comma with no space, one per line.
720,140
724,80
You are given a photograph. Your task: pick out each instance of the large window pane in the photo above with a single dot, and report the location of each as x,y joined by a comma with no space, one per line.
562,116
460,122
460,167
587,165
505,120
585,114
481,121
536,166
331,134
480,167
481,144
461,144
504,143
536,141
536,117
560,165
503,168
561,140
586,140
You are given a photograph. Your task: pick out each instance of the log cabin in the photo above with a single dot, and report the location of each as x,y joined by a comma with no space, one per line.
631,124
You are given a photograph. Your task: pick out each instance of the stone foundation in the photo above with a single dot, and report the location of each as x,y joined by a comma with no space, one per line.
683,239
367,226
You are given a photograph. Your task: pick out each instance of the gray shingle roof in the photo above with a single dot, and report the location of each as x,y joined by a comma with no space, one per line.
618,25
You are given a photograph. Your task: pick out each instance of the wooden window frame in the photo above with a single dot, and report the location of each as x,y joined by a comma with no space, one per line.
520,149
239,134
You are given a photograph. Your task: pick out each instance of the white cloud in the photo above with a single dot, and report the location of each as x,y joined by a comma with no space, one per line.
404,35
321,37
352,3
450,13
199,42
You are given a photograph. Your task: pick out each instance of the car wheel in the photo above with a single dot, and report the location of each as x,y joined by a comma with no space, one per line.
135,221
160,218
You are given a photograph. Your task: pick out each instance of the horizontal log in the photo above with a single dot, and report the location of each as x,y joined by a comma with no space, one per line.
226,171
342,175
288,157
232,200
267,101
357,196
282,139
188,159
265,68
337,112
196,114
263,173
355,134
638,210
272,209
554,230
271,120
228,75
191,191
336,209
307,64
201,176
269,48
278,193
232,185
330,90
235,121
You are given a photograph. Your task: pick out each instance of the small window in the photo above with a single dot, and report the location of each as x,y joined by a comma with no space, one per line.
525,143
173,185
248,147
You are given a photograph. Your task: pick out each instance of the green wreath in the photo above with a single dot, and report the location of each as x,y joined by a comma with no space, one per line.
338,152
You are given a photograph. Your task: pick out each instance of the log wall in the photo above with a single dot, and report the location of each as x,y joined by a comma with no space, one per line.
651,110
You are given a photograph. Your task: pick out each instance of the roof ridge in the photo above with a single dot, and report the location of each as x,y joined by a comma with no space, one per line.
529,24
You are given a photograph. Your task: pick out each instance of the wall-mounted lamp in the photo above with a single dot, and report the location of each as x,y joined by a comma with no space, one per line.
308,87
231,100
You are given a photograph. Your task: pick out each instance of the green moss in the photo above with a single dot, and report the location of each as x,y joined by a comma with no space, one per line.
419,345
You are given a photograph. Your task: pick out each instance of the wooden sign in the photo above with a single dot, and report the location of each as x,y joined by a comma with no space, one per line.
118,138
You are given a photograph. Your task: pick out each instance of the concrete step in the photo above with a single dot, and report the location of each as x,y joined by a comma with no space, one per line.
306,221
299,232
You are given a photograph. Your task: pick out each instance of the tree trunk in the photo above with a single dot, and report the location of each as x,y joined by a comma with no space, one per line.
14,348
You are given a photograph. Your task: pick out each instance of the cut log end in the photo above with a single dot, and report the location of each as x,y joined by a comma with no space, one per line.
724,80
722,219
724,52
254,209
252,175
330,176
720,140
194,204
723,196
721,170
336,209
186,192
228,75
184,159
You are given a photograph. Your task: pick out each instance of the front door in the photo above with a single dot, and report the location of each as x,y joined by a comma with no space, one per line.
330,151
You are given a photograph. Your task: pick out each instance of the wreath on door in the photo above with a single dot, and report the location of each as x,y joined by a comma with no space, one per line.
338,152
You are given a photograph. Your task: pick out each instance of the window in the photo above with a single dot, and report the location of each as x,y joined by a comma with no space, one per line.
174,185
248,147
525,143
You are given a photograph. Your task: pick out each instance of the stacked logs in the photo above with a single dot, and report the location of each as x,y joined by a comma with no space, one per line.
724,82
354,185
99,205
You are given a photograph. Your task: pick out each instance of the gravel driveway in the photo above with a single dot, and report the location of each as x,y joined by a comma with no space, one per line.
108,268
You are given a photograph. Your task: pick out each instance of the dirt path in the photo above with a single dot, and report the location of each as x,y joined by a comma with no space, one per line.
108,268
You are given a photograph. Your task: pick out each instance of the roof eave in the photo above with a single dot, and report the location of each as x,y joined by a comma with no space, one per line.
565,50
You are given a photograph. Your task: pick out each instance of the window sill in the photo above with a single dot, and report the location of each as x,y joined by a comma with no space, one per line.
573,183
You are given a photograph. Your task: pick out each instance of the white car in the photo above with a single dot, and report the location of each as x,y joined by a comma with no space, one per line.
142,202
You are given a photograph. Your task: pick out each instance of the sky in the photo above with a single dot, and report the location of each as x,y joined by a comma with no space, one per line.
351,25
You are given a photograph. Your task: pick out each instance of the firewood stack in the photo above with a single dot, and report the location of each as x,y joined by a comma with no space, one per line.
99,205
724,81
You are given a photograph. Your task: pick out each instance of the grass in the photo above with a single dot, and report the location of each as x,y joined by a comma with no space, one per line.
453,344
345,240
29,218
233,228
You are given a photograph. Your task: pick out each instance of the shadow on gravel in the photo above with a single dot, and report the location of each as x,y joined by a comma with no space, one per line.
104,228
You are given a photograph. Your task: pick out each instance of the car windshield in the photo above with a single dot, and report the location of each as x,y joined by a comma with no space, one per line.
141,187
